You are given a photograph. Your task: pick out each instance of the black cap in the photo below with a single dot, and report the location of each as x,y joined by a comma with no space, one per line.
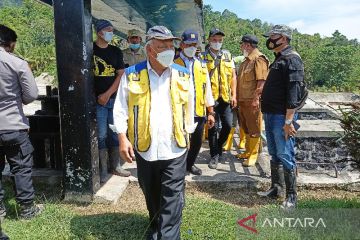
216,31
248,38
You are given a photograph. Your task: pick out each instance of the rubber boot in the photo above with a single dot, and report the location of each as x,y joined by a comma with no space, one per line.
242,142
229,141
254,144
116,167
291,194
245,154
277,182
103,160
30,210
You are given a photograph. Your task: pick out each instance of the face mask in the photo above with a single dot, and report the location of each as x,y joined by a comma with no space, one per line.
190,51
108,36
166,58
216,45
134,46
245,53
271,43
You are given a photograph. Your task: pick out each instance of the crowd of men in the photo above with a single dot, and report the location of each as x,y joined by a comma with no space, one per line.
153,105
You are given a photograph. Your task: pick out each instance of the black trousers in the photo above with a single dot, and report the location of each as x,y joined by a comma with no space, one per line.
224,116
195,142
17,149
162,183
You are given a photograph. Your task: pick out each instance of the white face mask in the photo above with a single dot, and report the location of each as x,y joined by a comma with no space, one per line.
190,51
166,58
245,53
108,36
216,45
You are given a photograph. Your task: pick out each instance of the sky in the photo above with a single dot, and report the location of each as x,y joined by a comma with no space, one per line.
307,16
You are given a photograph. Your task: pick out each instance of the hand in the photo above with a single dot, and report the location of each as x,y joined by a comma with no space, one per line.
289,131
233,102
103,99
255,104
211,121
126,149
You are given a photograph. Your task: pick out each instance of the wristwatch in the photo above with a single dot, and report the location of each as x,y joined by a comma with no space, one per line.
212,114
288,122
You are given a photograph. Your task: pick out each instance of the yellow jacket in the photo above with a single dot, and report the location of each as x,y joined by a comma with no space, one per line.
139,103
199,75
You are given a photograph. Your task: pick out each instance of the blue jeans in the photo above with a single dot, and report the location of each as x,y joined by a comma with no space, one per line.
280,150
104,117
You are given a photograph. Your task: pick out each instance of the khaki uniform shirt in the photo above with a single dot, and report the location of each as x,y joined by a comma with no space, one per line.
254,68
17,87
133,58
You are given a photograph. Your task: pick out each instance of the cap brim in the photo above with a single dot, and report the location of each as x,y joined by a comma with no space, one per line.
163,38
190,42
217,33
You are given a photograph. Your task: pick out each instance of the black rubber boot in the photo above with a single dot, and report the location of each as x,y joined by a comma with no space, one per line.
277,182
28,211
291,194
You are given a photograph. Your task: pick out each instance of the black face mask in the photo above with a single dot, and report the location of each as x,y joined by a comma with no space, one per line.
271,43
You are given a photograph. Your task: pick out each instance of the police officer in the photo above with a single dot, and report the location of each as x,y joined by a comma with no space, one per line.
154,112
222,75
203,95
17,87
279,101
251,78
135,53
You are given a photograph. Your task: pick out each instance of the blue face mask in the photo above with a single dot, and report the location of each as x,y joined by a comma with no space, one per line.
108,36
134,46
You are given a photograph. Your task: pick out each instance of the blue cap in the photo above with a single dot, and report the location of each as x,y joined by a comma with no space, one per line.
190,36
101,24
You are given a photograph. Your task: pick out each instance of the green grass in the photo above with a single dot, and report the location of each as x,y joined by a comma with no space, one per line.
203,219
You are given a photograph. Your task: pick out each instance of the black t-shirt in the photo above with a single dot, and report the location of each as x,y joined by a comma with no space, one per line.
284,83
107,61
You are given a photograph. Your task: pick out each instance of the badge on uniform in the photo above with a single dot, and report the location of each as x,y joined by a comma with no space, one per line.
136,77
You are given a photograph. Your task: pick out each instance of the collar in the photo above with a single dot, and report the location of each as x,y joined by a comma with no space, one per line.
138,52
253,54
285,51
186,59
152,70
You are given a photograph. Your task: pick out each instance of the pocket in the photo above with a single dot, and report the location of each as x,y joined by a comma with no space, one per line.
26,149
136,87
183,91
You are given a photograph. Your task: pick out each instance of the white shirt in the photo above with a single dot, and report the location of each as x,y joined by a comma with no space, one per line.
189,64
163,145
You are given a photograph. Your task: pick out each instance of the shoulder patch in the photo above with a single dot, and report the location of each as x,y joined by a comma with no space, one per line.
136,68
180,68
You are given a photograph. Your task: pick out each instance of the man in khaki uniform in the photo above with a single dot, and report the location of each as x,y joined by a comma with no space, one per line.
135,53
252,74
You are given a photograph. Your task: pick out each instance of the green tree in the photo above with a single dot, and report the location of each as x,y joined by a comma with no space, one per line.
34,25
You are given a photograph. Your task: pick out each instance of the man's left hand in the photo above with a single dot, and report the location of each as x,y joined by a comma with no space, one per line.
255,104
103,99
289,131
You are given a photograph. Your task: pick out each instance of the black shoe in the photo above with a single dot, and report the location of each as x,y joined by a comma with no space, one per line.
195,170
3,236
214,162
2,210
28,211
